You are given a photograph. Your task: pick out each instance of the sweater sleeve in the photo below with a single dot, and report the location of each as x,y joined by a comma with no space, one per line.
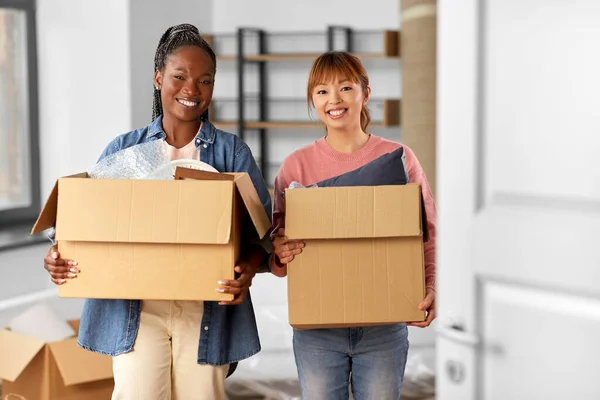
417,175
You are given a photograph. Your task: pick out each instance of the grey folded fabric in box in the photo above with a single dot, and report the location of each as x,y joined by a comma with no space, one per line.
389,169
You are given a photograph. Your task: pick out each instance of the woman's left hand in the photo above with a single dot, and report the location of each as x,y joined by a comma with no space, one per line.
238,287
428,304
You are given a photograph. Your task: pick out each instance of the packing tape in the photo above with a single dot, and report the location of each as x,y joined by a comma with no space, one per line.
14,396
418,11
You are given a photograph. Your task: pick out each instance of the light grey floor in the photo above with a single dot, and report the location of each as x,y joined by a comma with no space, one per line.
278,391
291,393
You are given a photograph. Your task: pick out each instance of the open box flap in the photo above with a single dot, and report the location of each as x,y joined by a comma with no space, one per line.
16,352
77,365
47,217
255,208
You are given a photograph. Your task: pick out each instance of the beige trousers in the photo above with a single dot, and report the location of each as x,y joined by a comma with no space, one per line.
163,363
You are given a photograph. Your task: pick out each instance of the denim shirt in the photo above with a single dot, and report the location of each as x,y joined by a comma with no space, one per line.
228,333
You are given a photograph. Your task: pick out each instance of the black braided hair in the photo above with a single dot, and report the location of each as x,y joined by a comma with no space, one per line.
174,38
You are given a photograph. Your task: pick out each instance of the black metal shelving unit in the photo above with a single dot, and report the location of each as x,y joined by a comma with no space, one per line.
336,37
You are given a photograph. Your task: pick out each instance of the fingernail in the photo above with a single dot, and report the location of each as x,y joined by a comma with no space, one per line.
71,275
61,281
220,290
221,282
55,255
74,270
75,263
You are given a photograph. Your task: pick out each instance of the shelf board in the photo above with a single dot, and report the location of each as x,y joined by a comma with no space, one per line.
276,57
283,124
226,58
391,118
306,56
391,49
286,99
225,124
309,56
268,124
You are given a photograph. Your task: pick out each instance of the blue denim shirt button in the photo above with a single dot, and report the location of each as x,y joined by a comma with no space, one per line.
206,328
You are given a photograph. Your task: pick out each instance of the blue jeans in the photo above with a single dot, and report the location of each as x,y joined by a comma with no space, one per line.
371,359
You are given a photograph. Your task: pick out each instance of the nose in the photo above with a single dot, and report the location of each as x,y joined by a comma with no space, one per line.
189,88
334,98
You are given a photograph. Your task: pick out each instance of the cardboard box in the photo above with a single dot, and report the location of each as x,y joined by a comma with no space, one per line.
363,263
153,239
32,369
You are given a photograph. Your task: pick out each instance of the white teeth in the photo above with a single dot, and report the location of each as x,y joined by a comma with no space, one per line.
187,103
336,113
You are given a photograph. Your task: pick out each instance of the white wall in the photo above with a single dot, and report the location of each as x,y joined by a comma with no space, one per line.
277,15
84,82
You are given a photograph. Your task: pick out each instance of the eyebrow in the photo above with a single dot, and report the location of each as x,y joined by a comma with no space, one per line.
209,74
342,81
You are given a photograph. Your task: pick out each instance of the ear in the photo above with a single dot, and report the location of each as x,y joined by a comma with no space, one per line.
157,79
367,95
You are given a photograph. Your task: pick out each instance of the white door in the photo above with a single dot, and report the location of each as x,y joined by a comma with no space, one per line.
519,199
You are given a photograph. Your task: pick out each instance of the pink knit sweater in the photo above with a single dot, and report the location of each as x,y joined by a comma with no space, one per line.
319,161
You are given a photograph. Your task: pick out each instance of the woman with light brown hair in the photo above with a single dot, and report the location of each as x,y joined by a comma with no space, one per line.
372,359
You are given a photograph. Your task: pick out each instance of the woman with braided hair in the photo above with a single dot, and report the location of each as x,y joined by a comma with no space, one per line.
178,349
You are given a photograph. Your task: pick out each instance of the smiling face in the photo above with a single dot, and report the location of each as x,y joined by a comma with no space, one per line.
186,83
339,103
338,89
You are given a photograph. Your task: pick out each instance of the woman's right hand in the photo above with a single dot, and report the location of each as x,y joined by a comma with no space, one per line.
60,270
286,249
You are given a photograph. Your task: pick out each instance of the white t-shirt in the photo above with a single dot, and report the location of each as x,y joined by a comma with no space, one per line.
189,151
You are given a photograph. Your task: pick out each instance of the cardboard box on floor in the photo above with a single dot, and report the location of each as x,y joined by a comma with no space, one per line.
363,262
33,369
153,239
